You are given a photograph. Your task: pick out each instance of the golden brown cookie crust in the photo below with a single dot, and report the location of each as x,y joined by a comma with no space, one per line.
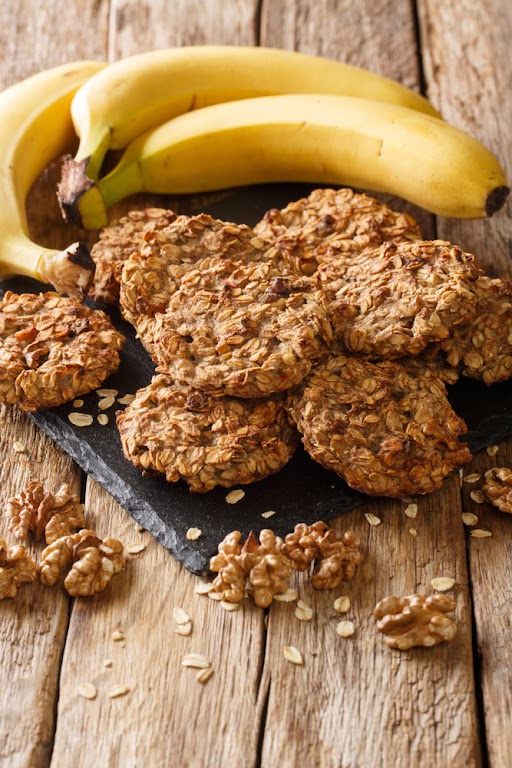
311,231
53,349
385,432
207,440
117,242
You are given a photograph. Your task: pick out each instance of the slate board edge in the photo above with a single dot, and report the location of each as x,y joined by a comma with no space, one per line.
94,466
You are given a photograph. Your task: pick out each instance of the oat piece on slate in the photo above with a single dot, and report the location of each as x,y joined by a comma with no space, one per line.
245,329
151,275
173,430
392,302
53,349
385,432
482,348
117,242
304,230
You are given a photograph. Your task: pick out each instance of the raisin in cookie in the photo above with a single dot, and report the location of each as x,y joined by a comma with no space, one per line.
207,440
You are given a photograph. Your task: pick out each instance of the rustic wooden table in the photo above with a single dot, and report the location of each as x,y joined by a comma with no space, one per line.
355,702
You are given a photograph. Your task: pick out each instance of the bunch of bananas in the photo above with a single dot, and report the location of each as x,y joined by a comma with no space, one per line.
211,117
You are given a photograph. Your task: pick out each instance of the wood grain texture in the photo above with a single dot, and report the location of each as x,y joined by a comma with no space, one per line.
33,624
468,67
167,718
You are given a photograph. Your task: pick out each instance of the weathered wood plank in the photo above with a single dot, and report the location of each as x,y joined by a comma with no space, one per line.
356,702
167,715
33,625
467,66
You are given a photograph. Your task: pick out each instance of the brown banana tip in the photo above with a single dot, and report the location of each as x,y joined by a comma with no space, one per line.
78,254
73,183
496,199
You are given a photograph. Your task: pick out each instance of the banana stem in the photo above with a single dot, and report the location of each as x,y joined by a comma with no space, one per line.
124,180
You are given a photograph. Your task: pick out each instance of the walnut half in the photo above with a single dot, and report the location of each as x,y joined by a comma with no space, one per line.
415,620
498,488
93,562
44,514
336,559
16,567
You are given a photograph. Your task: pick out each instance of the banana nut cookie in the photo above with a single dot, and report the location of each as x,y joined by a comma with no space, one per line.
351,222
482,348
393,301
53,349
117,242
173,430
152,274
245,329
385,432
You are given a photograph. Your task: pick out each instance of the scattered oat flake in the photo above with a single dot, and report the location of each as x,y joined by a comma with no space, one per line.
303,611
102,419
468,518
229,606
345,628
78,403
442,583
492,450
184,629
472,478
106,402
287,597
18,447
193,534
411,510
87,690
195,660
372,519
107,392
180,616
477,496
204,587
134,549
268,514
117,635
479,533
413,531
234,496
342,604
80,419
118,690
293,654
107,663
126,400
204,675
406,499
215,596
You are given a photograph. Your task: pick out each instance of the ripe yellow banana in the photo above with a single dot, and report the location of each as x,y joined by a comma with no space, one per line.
316,138
140,92
35,128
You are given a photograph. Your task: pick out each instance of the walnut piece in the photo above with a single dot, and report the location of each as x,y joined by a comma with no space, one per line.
498,488
93,562
16,567
337,559
42,513
267,563
415,620
263,563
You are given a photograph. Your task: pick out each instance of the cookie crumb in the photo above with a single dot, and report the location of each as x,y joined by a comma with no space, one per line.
193,534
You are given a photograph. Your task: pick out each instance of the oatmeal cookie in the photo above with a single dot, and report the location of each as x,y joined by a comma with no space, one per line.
173,430
305,230
482,348
432,363
117,242
392,302
153,274
242,328
53,349
385,432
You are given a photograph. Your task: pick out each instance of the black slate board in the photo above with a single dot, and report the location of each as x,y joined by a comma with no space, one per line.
302,491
